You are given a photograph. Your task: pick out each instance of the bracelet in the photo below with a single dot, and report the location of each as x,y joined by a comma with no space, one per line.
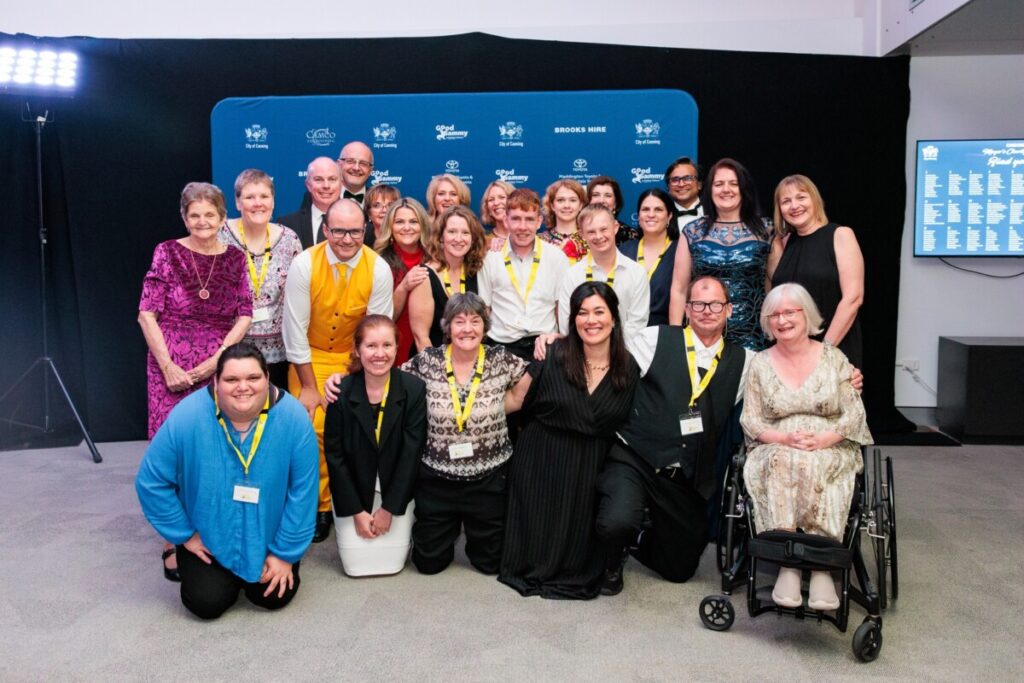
223,348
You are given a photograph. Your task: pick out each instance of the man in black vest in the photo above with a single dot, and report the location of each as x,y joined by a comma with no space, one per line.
660,477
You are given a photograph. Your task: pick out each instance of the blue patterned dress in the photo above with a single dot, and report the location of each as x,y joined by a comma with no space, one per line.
735,255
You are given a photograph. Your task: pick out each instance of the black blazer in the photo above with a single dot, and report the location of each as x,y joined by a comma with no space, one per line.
302,223
353,458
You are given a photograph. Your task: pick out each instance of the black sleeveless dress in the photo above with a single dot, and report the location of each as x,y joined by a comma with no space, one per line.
440,297
810,260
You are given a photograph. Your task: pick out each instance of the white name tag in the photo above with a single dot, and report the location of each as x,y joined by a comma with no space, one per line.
690,424
247,494
458,451
261,314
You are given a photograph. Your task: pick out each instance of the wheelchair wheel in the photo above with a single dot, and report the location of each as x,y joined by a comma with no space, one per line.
894,584
726,539
867,641
716,613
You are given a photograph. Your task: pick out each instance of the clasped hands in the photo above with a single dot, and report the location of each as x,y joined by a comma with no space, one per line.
371,526
810,441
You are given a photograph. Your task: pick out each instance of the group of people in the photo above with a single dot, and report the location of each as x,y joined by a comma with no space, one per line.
550,382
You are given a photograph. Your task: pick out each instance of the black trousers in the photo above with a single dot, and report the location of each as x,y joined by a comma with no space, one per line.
208,590
278,373
677,533
444,507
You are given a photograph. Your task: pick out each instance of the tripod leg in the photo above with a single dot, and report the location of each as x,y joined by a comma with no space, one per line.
78,418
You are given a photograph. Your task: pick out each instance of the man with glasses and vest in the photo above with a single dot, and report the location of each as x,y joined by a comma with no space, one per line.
329,289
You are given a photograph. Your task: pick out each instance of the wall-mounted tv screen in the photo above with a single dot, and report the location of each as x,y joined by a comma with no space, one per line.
969,198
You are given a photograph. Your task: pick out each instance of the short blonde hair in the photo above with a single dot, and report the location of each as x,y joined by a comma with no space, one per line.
460,189
250,176
590,212
799,296
804,183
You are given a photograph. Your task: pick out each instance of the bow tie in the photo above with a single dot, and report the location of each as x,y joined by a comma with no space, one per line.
689,212
352,195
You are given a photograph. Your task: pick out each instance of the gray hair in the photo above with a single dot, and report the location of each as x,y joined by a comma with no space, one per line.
469,303
799,296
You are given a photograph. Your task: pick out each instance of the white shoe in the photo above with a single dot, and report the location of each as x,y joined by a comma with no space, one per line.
787,588
822,595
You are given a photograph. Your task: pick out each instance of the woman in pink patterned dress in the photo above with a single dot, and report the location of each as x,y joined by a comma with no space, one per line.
195,302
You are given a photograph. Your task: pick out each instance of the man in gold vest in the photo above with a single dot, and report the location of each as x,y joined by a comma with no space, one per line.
330,287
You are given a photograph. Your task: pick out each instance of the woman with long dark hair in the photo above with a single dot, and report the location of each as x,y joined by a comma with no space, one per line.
580,395
732,243
655,250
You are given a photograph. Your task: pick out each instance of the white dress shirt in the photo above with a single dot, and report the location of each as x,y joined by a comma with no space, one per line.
630,285
642,347
295,325
682,221
511,319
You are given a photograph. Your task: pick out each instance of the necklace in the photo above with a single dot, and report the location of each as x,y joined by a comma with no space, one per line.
204,293
596,368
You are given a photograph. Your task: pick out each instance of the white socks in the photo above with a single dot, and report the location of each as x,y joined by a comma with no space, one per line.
822,595
787,588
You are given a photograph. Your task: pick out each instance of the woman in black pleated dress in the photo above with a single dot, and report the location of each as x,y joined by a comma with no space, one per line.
581,393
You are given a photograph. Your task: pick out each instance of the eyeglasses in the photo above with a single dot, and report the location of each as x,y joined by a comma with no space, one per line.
787,314
348,161
342,233
680,179
714,306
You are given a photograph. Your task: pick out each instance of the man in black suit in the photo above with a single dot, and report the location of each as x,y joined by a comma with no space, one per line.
356,162
682,179
323,181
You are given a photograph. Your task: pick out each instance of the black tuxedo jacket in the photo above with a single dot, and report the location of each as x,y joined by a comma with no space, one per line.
301,223
354,460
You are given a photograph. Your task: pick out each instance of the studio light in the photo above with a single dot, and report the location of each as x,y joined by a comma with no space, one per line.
37,71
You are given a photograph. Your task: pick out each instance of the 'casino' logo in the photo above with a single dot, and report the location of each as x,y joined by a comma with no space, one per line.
644,175
256,137
579,165
509,176
384,177
320,137
448,132
452,166
647,132
930,153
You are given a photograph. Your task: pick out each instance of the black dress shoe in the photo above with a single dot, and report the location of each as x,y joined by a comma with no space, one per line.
170,574
324,522
612,582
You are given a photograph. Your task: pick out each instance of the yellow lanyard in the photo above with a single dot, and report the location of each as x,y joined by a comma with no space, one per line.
448,282
383,402
533,269
257,282
462,413
255,437
640,255
590,269
697,384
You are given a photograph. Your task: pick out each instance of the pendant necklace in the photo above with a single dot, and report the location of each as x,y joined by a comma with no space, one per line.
204,293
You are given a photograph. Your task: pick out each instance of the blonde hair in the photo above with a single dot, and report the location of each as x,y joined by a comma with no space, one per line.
485,215
782,228
460,189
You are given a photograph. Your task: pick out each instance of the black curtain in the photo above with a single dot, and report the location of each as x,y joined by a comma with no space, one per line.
117,155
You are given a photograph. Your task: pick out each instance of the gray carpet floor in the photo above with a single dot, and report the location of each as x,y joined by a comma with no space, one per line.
83,598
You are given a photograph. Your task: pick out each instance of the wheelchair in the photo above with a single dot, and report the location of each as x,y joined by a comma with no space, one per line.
741,550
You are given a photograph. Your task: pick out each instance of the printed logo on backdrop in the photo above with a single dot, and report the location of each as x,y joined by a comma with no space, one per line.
384,136
579,130
448,132
256,137
509,176
644,175
647,132
930,153
384,177
320,137
451,167
510,134
580,172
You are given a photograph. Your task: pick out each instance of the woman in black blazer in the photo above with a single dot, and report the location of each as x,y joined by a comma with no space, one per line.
373,436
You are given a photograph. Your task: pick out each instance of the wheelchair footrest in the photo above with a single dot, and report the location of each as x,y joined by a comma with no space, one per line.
800,550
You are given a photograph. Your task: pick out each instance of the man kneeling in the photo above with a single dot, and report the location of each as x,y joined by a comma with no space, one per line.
232,478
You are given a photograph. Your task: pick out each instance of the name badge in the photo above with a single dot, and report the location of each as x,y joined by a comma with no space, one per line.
260,315
690,423
247,494
458,451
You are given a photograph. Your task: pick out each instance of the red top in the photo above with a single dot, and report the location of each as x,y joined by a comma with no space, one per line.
406,344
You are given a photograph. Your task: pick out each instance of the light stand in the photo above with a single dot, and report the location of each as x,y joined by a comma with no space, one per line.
45,362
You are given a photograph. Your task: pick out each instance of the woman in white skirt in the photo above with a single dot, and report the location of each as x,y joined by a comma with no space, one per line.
373,436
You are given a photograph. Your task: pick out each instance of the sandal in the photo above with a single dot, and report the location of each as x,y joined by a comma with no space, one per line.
169,573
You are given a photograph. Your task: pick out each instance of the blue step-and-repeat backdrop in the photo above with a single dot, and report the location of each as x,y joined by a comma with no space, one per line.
529,139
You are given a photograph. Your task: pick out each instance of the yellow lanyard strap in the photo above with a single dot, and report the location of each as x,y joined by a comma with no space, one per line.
462,413
383,402
697,384
590,269
533,269
640,255
257,282
260,425
462,282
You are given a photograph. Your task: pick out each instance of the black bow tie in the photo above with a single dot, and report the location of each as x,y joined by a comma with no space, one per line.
352,195
689,212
